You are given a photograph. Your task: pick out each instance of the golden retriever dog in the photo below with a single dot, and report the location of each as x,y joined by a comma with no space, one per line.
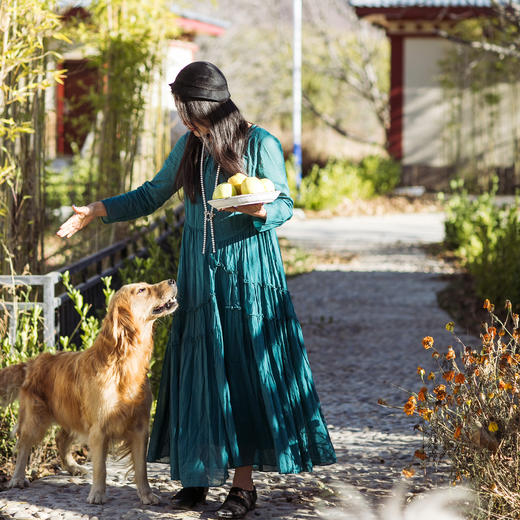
101,395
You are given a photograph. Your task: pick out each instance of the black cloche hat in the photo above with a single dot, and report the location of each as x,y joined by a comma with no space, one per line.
201,80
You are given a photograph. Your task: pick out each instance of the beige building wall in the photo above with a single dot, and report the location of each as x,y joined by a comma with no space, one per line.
424,111
441,129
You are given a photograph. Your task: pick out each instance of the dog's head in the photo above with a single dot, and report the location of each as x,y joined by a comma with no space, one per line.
137,305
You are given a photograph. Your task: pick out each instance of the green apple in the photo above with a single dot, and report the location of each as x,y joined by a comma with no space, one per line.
251,185
236,180
224,190
268,184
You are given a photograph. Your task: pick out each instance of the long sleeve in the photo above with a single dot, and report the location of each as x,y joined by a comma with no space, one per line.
149,196
271,165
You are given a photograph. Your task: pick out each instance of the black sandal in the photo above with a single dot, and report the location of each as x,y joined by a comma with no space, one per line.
189,497
238,503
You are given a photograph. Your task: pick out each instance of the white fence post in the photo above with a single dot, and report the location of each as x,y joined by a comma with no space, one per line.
49,304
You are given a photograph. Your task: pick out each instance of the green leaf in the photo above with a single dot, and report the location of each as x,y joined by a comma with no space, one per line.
62,37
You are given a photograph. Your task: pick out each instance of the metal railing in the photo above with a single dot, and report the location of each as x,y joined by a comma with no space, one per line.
86,274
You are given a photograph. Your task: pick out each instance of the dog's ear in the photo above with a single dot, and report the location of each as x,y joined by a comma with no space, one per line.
123,328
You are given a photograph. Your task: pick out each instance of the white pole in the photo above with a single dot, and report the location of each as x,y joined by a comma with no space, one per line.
297,89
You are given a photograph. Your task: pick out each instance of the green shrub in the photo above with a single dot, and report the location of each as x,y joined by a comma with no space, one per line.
326,187
383,173
26,345
487,239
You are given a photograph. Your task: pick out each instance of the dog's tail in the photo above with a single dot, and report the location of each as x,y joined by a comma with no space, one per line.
11,379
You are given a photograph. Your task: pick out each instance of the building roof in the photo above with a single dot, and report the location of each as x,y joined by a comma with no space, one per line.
192,15
420,3
434,10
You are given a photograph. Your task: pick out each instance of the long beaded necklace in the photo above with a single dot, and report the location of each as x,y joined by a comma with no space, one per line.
208,213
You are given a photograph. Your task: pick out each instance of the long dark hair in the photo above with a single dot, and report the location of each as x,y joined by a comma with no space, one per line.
226,140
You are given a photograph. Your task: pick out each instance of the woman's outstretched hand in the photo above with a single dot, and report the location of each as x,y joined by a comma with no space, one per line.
83,215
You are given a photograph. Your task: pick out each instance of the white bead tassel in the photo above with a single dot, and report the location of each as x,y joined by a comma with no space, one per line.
208,213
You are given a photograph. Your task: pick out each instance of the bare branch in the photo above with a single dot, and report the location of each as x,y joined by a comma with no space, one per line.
336,125
483,45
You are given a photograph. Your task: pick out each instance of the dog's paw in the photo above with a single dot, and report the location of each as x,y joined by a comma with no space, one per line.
96,496
148,498
18,483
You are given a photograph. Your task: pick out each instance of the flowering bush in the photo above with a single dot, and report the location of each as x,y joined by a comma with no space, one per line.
468,407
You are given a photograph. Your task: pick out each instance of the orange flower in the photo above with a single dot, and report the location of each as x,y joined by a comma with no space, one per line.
477,372
427,342
486,338
420,371
420,454
457,432
431,376
487,304
425,413
435,354
515,319
492,331
460,378
501,385
501,332
451,353
409,406
440,392
408,473
449,375
421,396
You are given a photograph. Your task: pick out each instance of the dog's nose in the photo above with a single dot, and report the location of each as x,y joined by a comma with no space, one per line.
171,281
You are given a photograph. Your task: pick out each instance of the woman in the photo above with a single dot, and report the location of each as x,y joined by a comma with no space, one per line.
236,388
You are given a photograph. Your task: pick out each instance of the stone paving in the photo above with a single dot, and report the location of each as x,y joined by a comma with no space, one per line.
363,323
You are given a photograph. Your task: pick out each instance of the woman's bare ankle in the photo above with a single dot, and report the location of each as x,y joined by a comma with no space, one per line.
247,487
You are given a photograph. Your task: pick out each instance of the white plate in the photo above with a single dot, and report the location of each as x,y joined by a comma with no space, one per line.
242,200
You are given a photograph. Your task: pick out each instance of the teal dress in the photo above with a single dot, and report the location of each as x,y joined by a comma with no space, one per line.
236,387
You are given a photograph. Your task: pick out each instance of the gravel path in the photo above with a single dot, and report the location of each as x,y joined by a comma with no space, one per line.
363,323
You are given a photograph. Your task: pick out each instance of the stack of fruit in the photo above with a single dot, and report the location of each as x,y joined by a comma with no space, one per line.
240,184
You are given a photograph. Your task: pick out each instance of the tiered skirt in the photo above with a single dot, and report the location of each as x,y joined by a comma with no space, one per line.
236,387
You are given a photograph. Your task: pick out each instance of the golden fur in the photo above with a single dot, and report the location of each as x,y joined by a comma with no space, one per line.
101,394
